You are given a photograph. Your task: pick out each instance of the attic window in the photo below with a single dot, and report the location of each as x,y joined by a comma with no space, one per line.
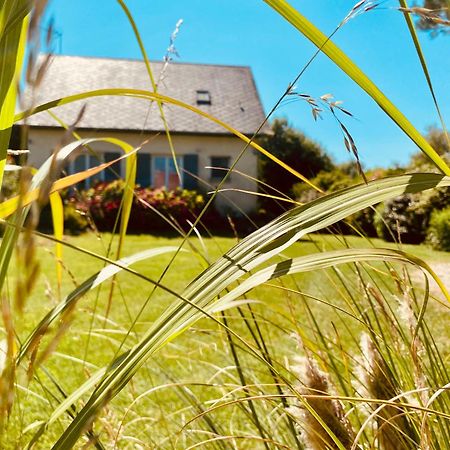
203,98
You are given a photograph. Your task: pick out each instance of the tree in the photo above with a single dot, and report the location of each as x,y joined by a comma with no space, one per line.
296,150
440,142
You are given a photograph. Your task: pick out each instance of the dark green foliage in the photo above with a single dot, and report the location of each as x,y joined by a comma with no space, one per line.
75,219
399,221
438,234
10,184
407,217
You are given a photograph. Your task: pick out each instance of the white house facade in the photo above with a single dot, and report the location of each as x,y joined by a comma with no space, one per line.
202,147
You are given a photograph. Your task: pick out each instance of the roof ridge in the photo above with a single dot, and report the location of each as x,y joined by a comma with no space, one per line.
108,58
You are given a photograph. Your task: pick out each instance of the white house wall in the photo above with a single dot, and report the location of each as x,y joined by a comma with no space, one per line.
43,141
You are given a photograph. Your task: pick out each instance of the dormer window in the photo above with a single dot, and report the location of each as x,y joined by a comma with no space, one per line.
203,98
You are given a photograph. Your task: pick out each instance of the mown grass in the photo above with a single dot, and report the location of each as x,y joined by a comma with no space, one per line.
199,364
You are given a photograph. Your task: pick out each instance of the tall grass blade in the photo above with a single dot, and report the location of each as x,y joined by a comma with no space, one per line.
57,208
255,249
320,40
423,63
13,31
325,260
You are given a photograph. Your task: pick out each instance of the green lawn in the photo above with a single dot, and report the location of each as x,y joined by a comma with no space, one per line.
202,355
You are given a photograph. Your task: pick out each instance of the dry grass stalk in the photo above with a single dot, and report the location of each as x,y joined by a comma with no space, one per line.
394,431
316,383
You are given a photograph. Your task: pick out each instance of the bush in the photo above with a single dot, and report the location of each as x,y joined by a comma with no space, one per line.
103,203
75,221
398,220
407,216
438,234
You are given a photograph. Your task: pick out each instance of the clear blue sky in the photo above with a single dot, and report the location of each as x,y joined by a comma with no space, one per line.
248,32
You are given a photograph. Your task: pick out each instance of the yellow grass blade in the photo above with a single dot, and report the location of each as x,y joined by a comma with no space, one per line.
57,207
12,48
152,96
336,55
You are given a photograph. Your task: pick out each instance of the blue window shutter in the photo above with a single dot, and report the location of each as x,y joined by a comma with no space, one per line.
190,164
112,172
144,173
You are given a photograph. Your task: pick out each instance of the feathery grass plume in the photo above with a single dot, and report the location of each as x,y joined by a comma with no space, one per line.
324,103
436,20
394,431
417,351
318,414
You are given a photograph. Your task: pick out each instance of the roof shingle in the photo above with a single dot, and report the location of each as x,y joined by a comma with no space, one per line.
234,98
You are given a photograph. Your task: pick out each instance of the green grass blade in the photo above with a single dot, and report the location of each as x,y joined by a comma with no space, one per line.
130,182
44,174
13,31
423,63
252,251
324,260
336,55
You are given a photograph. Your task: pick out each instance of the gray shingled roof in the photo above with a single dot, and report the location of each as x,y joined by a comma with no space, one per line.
234,98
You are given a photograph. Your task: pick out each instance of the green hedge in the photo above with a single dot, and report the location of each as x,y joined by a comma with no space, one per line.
438,234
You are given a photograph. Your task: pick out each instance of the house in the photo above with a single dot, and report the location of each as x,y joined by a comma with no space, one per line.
226,92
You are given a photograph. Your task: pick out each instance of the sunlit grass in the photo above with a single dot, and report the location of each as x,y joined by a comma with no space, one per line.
201,356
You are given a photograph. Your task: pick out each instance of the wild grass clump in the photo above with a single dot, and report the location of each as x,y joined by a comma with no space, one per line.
187,342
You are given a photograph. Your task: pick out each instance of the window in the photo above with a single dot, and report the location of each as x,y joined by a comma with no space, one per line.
87,161
203,98
164,172
218,163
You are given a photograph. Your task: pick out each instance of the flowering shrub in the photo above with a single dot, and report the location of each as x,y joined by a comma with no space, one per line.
103,203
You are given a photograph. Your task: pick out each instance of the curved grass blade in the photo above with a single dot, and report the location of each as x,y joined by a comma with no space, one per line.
130,182
322,261
9,206
255,249
152,96
42,176
320,40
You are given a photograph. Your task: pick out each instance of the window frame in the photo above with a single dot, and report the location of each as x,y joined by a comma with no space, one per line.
203,97
167,159
218,174
99,158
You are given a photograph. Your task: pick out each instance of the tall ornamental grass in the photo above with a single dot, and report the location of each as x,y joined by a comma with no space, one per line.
283,340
